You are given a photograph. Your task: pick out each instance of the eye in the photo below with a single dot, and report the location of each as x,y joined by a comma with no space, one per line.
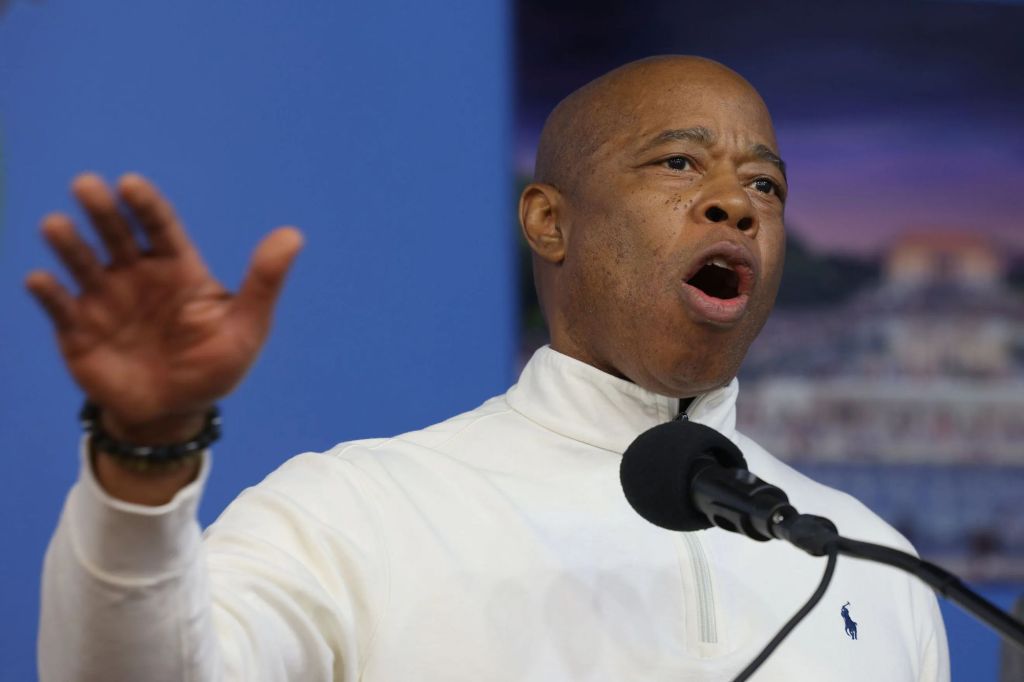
678,163
768,186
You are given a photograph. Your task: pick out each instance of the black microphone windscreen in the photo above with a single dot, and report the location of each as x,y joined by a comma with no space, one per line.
657,470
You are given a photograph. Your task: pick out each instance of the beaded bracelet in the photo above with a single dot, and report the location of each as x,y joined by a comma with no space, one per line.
148,454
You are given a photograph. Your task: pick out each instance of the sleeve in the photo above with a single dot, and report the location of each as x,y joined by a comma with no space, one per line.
275,590
124,591
933,647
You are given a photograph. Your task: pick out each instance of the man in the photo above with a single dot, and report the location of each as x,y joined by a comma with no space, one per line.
496,545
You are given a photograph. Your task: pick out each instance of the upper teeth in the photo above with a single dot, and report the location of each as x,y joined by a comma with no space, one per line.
720,262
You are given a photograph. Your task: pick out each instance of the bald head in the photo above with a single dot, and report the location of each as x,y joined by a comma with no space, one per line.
589,117
646,178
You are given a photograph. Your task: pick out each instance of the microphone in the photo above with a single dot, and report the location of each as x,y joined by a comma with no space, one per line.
686,476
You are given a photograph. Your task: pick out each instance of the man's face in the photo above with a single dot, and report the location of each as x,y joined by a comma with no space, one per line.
676,239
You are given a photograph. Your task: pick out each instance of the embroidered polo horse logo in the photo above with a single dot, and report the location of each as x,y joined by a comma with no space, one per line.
851,626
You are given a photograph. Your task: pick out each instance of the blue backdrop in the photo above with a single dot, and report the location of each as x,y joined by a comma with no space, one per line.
381,129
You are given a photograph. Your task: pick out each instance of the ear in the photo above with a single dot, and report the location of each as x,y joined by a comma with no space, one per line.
539,208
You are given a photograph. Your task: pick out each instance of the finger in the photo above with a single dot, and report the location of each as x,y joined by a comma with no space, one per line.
53,297
77,256
155,214
101,207
267,270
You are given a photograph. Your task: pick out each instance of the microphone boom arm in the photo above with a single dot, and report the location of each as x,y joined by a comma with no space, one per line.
815,534
942,581
738,501
686,476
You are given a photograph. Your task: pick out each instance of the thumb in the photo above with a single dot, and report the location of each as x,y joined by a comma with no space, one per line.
270,263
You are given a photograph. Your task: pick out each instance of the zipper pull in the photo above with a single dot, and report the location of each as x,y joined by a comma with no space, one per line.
684,410
682,416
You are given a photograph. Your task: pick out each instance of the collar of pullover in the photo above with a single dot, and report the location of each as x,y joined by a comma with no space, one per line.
581,402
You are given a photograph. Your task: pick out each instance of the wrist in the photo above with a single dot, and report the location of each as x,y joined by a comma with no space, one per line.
157,443
152,486
147,463
161,431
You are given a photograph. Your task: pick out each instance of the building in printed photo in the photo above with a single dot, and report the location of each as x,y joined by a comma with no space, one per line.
923,374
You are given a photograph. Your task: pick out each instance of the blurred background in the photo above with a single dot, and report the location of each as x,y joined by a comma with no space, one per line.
397,137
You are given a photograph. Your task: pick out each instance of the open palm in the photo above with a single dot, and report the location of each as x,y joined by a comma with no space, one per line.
151,334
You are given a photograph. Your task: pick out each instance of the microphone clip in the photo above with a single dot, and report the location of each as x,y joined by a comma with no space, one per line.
816,535
737,500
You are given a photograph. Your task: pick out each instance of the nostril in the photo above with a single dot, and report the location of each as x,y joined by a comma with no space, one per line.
745,223
715,214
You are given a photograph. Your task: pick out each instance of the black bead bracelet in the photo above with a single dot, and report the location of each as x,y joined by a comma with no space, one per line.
101,440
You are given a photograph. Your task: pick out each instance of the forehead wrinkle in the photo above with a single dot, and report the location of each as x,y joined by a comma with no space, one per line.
580,129
697,134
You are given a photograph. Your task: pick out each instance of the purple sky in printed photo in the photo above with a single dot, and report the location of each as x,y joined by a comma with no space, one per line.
892,117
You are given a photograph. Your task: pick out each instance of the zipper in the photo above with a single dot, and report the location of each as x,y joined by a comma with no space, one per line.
707,621
683,415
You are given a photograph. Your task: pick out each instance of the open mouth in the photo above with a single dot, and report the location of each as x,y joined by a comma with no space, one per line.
717,279
720,281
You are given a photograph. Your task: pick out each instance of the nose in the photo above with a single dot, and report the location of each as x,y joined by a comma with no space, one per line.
730,206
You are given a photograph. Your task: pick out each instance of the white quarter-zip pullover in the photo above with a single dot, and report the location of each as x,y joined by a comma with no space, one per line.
496,545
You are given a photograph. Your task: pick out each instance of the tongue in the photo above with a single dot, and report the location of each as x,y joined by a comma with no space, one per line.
716,282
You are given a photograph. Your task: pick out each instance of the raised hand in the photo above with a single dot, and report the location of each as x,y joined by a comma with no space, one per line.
151,336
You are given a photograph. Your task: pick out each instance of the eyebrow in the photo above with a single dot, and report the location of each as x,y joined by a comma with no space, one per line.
765,154
705,138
